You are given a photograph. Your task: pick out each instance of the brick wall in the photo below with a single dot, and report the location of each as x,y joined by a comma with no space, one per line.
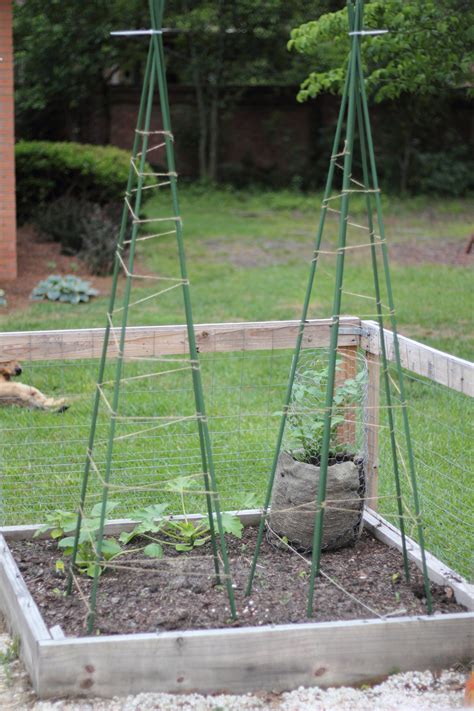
8,267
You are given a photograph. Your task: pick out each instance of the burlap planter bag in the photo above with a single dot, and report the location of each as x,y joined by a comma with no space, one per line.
293,504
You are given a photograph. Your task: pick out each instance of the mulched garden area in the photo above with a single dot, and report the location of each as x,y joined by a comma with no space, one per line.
179,592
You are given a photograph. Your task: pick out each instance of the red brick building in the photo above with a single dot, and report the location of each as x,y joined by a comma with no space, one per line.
8,267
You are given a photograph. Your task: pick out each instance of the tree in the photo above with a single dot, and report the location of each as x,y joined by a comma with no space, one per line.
424,58
224,46
65,58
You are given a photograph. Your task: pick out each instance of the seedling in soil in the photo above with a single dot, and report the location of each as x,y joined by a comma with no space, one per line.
152,526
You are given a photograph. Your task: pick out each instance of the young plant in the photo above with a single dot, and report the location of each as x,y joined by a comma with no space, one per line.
63,522
182,534
305,421
152,525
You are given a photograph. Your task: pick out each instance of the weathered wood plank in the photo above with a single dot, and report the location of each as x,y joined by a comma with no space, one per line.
248,517
242,660
455,373
437,571
151,341
20,610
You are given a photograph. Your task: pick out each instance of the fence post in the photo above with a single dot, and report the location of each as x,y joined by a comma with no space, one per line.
372,424
346,433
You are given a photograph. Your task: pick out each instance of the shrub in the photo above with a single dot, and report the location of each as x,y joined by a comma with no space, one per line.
82,228
99,239
63,221
448,173
69,289
47,170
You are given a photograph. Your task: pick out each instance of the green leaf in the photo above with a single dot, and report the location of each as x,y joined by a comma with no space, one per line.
181,484
90,570
110,506
154,511
183,547
232,524
127,536
153,550
67,542
56,533
200,541
59,566
110,548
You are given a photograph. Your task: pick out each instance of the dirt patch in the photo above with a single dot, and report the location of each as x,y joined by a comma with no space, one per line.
180,592
266,254
37,259
431,251
276,252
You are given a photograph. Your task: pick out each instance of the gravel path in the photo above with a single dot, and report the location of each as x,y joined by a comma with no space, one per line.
412,691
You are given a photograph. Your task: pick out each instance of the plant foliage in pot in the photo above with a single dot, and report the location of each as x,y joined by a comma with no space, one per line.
293,504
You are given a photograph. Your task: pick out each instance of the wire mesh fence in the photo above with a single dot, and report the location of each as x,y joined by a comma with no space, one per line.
42,454
441,430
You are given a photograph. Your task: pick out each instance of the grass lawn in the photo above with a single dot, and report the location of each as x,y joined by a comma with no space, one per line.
248,257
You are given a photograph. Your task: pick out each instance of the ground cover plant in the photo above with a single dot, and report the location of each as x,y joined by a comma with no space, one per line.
69,289
248,258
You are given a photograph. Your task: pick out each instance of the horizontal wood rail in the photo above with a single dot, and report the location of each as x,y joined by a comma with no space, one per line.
172,340
455,373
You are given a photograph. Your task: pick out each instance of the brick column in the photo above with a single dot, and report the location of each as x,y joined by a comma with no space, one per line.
8,266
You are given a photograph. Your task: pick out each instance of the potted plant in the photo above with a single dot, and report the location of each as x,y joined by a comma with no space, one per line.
293,504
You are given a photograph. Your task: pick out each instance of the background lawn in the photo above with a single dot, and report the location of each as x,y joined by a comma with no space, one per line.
248,257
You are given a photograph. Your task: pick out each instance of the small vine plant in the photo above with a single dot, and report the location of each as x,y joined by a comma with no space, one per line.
153,532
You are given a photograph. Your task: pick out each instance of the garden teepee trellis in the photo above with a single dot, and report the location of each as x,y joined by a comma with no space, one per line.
354,113
138,181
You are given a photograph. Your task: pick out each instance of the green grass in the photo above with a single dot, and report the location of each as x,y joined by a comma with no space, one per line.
248,257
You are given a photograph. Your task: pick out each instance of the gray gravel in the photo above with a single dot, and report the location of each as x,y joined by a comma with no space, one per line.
411,691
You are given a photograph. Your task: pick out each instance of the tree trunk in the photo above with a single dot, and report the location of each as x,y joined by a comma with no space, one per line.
201,112
214,138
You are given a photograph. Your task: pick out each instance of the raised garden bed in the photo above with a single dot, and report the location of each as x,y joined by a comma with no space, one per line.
261,650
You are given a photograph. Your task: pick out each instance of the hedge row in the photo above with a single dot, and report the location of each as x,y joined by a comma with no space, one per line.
47,170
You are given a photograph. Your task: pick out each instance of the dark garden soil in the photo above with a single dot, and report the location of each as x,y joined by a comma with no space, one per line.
179,592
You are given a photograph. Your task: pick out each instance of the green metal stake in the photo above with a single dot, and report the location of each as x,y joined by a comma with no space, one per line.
378,301
349,146
119,362
401,384
155,72
105,345
206,449
156,13
299,340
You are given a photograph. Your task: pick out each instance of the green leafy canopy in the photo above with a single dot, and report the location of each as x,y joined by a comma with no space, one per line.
427,51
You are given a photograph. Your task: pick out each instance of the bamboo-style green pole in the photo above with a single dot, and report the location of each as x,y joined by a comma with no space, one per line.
303,320
323,470
117,266
120,355
378,302
393,322
156,13
212,498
